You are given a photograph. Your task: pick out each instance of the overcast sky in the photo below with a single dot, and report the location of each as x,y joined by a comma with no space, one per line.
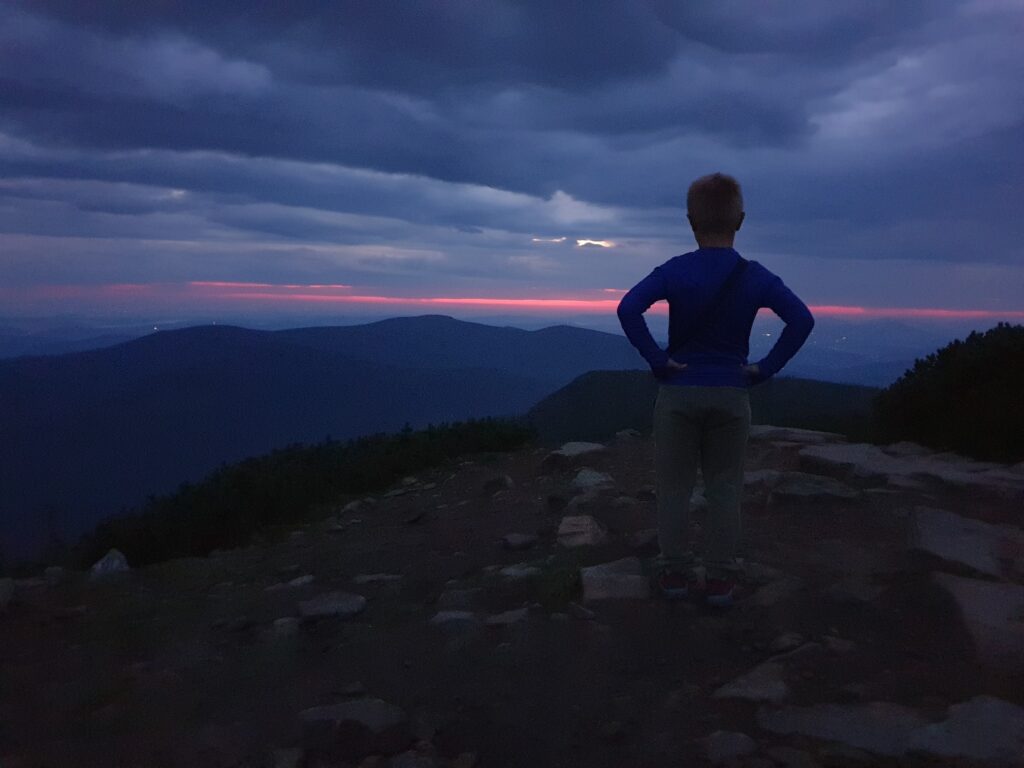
274,156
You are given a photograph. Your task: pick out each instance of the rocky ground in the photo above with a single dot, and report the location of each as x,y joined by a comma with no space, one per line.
496,613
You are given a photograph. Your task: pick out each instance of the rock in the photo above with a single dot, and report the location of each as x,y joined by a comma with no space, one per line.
853,590
786,642
906,448
588,478
619,579
984,728
357,728
788,757
765,682
628,434
302,581
727,746
518,541
519,571
464,760
374,578
801,486
870,463
760,480
838,644
580,531
583,613
414,517
646,493
515,616
286,626
111,564
879,727
340,605
288,758
412,759
355,688
353,507
495,484
775,592
645,539
579,448
625,502
793,435
54,575
459,599
992,613
458,617
6,592
982,547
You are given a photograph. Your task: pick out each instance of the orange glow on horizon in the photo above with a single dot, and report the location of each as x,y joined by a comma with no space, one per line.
594,300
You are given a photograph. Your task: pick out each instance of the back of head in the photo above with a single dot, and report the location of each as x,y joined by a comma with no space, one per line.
714,205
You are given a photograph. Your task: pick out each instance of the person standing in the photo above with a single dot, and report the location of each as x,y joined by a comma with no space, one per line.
702,411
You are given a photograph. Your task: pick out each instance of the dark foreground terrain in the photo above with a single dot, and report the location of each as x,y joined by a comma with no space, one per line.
882,626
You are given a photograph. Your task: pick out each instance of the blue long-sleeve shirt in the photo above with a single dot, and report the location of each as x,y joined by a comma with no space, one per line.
716,354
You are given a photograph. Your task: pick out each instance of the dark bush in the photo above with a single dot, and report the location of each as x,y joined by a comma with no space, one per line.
966,397
286,486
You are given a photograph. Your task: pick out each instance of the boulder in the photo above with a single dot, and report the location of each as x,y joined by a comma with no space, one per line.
518,541
765,682
356,728
992,613
869,463
111,564
340,605
459,599
515,616
619,579
989,549
802,486
793,435
498,483
984,728
590,479
376,578
519,571
878,727
581,531
569,453
728,746
578,448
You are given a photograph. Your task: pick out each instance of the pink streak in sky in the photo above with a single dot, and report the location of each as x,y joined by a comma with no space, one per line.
210,292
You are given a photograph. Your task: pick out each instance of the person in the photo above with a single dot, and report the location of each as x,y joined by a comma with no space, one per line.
702,410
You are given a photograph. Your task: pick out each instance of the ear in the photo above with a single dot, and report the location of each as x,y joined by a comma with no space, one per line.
739,223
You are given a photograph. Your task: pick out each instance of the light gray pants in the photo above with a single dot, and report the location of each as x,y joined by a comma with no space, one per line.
705,427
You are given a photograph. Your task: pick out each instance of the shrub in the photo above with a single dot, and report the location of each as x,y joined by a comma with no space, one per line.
291,484
966,397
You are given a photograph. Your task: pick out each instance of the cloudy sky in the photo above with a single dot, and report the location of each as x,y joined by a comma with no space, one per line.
463,156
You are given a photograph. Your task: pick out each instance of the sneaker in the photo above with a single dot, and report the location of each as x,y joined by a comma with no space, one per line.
674,585
719,592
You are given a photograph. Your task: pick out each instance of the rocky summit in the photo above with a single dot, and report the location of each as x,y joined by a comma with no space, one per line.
881,623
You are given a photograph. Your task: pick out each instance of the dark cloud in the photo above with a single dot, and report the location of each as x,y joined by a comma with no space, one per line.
448,135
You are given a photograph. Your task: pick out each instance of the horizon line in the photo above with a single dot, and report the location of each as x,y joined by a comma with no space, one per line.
319,294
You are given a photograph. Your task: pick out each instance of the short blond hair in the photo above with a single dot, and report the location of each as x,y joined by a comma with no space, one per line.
714,204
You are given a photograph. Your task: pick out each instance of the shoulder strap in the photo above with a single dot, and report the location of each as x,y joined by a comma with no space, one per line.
723,291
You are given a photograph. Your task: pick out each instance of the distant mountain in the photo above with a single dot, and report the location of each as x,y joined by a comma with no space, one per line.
87,434
600,403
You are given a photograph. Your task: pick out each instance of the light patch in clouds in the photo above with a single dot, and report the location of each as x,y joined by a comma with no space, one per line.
582,243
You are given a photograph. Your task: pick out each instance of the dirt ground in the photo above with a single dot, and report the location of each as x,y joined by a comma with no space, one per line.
182,664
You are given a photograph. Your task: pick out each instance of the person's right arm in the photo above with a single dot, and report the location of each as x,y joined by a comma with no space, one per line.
799,322
632,306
